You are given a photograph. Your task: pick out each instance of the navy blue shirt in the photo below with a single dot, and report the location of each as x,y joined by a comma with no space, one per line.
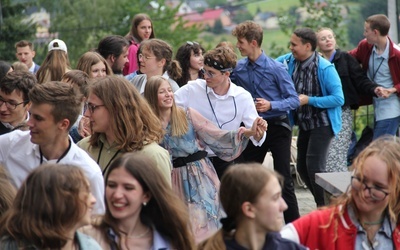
272,241
268,79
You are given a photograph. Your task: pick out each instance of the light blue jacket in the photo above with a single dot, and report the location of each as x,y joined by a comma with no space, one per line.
331,87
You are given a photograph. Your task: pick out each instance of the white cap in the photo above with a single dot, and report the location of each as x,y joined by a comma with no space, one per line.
57,44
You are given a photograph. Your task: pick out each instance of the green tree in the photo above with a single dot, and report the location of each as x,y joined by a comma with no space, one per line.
14,27
218,28
358,16
82,23
316,15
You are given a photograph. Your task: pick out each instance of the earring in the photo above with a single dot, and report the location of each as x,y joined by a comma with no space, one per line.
144,203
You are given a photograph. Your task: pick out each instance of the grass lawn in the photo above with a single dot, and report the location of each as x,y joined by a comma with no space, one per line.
271,5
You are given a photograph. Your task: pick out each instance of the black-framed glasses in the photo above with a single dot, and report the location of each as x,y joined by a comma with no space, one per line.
376,193
192,43
91,107
144,57
11,105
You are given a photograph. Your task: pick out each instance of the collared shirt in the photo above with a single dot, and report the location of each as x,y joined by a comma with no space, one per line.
379,72
9,126
227,111
267,79
32,68
20,156
383,238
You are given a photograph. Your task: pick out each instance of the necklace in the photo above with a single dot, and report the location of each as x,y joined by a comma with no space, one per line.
372,223
140,235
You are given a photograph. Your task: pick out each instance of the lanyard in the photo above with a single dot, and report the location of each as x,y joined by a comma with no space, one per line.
112,158
215,115
373,68
59,159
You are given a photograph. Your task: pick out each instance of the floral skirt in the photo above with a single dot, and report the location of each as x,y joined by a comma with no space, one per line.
197,184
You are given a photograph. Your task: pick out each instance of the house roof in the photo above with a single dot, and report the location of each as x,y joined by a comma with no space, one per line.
212,14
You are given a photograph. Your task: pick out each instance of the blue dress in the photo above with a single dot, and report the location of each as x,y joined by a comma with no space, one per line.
197,183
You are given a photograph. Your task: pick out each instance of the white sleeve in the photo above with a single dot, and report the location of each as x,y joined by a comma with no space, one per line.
289,232
181,97
97,188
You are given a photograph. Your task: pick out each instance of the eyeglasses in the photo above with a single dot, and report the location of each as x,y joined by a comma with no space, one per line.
145,58
324,38
375,192
91,107
192,43
11,105
210,74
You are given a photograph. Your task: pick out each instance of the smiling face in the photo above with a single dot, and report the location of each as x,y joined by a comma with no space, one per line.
41,124
196,60
144,29
124,195
98,70
269,207
301,51
245,48
13,116
374,174
165,96
326,40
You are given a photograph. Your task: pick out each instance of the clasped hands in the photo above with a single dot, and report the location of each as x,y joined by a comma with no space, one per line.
257,130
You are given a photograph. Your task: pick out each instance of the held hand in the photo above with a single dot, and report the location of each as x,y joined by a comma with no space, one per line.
384,92
303,99
259,126
262,105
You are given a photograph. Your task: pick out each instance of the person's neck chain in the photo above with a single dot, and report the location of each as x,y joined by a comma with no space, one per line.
139,235
373,223
61,157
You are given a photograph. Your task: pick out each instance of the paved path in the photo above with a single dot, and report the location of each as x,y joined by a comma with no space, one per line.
305,200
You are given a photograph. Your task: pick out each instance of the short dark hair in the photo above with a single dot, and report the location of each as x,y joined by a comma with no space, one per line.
22,81
112,45
24,43
379,22
307,35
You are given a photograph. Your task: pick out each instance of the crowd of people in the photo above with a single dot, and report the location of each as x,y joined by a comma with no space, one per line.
137,149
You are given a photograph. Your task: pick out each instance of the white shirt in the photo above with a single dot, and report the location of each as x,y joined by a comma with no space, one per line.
227,111
20,156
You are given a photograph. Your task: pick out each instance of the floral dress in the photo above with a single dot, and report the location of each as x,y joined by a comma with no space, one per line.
197,183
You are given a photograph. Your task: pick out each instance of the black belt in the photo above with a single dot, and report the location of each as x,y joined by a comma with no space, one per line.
282,120
181,161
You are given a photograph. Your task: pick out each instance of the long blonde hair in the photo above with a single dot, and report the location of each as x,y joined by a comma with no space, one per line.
179,123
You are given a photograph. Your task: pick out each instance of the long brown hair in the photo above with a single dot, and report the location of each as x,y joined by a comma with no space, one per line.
47,207
165,211
240,183
162,50
133,122
53,67
133,32
90,58
179,123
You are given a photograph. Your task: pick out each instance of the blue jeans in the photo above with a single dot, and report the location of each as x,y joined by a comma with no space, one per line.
386,127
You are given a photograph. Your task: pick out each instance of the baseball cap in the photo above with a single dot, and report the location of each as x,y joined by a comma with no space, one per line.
57,44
